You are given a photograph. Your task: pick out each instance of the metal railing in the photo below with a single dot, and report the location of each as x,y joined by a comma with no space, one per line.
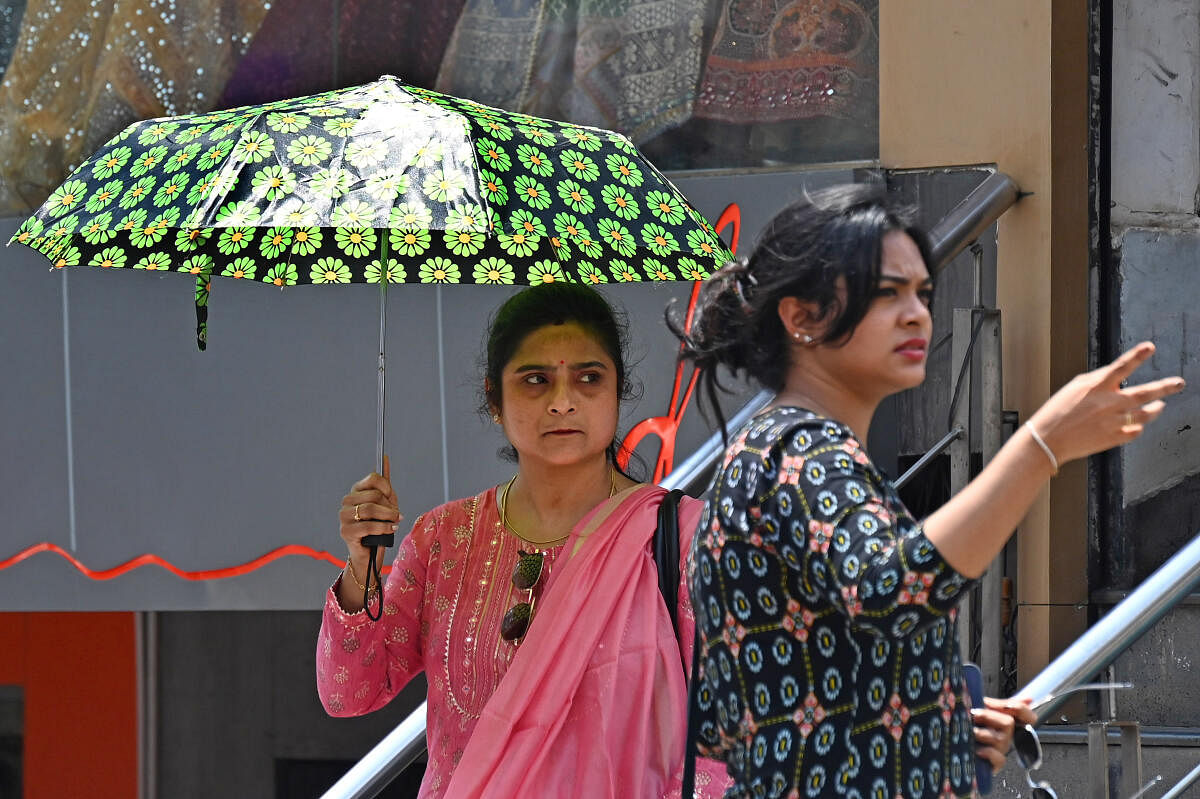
1120,627
950,236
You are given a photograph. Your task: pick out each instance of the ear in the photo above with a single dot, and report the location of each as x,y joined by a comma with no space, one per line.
493,408
799,317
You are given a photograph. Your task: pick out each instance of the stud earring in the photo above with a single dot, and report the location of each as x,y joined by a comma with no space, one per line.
807,339
496,418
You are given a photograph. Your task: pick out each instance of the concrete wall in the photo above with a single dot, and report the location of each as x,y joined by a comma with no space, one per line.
1156,265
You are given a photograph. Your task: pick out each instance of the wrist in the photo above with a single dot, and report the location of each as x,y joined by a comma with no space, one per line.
349,570
1040,444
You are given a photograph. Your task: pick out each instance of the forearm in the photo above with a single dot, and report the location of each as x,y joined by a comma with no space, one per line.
971,529
362,664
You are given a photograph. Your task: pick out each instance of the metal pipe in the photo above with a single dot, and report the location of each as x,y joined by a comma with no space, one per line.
384,762
696,464
975,214
924,460
1119,628
1183,784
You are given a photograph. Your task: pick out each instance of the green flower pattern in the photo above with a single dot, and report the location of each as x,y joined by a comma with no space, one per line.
298,192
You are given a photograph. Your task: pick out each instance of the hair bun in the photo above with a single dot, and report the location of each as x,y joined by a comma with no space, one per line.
736,273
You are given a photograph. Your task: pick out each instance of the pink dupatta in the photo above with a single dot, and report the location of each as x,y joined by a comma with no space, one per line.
594,702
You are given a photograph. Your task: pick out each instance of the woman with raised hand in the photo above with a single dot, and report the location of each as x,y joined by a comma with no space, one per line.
534,607
829,650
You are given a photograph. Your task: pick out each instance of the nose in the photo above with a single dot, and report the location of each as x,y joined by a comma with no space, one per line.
562,400
916,312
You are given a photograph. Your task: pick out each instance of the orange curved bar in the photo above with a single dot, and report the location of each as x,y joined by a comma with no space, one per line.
149,559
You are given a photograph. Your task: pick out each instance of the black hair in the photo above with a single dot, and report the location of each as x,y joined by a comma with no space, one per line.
831,234
553,304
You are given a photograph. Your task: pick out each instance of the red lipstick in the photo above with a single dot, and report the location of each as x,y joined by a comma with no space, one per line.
913,349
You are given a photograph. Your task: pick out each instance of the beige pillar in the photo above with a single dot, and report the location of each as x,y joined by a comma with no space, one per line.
1006,83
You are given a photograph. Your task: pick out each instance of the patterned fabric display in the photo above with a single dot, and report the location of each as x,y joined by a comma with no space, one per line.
830,662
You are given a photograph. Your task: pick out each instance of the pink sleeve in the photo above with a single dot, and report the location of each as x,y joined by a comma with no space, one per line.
711,777
362,664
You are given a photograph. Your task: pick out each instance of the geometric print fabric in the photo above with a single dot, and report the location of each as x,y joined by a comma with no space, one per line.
830,661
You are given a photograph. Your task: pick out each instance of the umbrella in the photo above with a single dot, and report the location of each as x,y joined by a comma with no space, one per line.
382,183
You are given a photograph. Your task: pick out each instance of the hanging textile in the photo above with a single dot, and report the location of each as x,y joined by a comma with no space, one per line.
308,46
778,60
82,70
628,65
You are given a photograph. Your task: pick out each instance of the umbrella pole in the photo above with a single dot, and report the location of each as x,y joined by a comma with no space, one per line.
375,541
382,372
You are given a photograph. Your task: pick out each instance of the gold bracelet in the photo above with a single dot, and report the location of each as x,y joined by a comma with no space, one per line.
353,576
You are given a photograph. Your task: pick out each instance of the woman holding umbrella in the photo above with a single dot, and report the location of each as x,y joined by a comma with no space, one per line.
829,658
533,607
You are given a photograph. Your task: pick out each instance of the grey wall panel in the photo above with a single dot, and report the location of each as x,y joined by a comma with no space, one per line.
34,491
1155,95
1158,273
251,444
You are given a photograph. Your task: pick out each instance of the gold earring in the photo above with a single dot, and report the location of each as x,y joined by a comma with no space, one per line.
496,418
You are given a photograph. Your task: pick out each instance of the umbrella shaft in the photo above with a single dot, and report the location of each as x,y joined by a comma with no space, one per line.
382,377
384,276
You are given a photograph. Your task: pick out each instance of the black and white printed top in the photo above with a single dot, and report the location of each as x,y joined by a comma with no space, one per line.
830,660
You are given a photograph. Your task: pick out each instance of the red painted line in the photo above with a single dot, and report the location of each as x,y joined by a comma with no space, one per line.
154,560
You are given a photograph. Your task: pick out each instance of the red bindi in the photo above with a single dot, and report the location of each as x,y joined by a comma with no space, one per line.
560,363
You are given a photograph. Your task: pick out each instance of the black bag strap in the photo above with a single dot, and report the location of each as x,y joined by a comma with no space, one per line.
693,725
666,553
666,557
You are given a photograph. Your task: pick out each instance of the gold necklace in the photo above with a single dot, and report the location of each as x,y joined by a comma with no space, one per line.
612,490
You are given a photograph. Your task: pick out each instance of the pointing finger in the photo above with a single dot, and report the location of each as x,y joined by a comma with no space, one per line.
1155,389
1127,363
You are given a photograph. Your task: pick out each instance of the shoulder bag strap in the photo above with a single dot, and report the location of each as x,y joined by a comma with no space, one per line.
666,553
666,556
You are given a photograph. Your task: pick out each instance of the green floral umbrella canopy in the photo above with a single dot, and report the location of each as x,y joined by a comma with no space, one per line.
381,182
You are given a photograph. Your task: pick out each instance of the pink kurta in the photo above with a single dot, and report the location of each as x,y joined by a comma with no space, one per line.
446,595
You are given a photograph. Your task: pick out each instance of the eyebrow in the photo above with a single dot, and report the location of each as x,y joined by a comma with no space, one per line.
903,280
538,367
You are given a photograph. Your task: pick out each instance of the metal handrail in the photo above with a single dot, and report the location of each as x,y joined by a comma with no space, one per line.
967,221
1120,627
950,236
378,767
693,469
1183,784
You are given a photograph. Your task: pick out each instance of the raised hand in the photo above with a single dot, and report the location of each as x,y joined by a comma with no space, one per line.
1095,411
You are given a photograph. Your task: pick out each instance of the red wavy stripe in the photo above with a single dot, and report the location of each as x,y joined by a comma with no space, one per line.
154,560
